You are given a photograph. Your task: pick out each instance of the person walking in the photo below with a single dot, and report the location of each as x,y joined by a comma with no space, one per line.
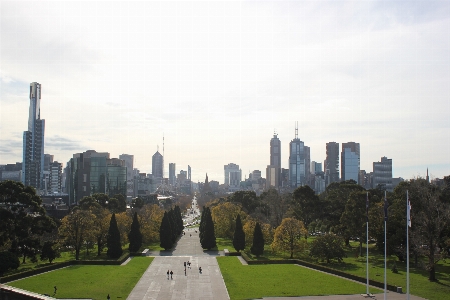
171,273
167,274
200,270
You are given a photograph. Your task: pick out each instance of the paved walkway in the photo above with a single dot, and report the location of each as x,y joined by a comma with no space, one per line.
208,285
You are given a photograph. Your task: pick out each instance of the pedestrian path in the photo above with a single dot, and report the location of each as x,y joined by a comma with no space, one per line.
155,284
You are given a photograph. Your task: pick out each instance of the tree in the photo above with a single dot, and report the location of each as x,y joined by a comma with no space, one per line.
124,220
75,229
113,240
8,260
88,202
120,203
165,233
22,219
306,205
249,229
239,235
354,218
209,238
101,199
50,251
328,246
150,218
224,217
334,199
257,247
430,215
137,202
275,206
289,236
135,236
247,199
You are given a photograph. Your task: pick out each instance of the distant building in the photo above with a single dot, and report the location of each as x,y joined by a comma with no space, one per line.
93,172
365,179
297,162
11,172
350,160
33,142
189,172
157,166
272,177
273,170
172,171
232,176
382,174
316,167
55,178
129,164
331,163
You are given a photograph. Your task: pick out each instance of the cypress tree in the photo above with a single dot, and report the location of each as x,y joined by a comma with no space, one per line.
113,240
135,235
165,233
239,235
173,225
209,237
202,223
258,241
179,219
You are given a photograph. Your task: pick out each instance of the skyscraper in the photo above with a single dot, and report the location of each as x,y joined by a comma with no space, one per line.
172,177
273,171
33,142
275,151
157,166
297,170
350,157
331,163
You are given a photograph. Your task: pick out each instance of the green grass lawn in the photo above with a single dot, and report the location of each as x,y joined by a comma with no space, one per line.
94,282
258,281
419,283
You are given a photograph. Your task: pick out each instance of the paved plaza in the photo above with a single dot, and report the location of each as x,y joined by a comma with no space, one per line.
209,285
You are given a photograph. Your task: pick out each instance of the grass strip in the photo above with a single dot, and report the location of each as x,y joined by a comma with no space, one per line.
82,281
244,282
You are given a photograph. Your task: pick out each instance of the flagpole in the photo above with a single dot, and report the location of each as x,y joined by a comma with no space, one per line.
408,217
367,243
385,252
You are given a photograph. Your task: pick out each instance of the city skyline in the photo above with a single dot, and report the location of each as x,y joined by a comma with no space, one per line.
217,79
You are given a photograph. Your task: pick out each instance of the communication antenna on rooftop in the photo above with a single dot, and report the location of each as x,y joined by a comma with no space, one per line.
296,129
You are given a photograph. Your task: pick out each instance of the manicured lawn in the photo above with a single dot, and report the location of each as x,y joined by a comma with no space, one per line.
419,283
245,282
94,282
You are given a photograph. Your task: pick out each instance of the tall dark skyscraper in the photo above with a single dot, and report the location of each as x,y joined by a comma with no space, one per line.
331,164
297,166
273,171
275,151
33,142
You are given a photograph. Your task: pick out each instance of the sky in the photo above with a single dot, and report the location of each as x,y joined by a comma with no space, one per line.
217,79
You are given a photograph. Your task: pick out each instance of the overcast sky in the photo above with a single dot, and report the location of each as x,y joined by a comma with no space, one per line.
217,78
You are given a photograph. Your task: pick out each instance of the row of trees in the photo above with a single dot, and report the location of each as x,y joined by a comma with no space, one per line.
171,228
27,232
341,210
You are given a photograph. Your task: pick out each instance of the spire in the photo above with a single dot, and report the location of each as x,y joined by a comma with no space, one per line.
428,178
296,130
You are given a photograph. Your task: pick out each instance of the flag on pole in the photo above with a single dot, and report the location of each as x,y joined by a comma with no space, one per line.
386,204
367,207
408,213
